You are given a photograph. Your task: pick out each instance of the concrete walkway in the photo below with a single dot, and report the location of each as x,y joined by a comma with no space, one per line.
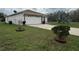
73,31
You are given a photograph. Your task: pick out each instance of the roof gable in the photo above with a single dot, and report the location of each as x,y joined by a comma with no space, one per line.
28,12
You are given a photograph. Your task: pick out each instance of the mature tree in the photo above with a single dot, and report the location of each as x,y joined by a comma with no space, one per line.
75,15
2,17
52,17
59,16
63,16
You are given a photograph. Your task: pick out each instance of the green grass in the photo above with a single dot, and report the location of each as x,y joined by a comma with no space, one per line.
72,24
33,39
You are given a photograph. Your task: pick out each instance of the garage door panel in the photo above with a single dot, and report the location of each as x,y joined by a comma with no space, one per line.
33,20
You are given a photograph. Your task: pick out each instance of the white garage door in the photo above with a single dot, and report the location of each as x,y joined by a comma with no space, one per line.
33,20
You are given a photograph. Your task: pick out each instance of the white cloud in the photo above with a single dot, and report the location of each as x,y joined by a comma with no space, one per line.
42,10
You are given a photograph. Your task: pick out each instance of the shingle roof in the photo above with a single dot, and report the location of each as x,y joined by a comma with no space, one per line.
29,13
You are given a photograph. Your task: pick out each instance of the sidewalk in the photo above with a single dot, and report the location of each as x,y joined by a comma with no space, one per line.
73,31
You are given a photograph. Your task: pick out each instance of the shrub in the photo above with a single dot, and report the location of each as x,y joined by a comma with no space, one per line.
20,28
10,22
62,32
24,22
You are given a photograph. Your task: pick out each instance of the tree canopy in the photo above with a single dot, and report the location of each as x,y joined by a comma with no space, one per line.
62,16
2,17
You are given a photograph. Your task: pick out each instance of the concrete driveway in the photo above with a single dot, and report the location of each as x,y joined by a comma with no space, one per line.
73,31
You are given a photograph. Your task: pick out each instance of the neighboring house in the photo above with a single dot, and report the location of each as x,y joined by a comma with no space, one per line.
31,17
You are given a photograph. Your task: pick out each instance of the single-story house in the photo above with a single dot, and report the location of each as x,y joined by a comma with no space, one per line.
29,16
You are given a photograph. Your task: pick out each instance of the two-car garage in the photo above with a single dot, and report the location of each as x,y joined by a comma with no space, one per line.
29,16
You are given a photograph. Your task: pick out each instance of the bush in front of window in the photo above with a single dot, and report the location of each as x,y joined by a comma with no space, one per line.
10,22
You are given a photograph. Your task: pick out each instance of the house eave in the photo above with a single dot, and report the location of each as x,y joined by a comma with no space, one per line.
26,13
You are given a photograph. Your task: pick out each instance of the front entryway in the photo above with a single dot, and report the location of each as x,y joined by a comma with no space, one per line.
43,20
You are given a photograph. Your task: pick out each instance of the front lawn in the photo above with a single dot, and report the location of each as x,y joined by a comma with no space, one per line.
33,39
72,24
